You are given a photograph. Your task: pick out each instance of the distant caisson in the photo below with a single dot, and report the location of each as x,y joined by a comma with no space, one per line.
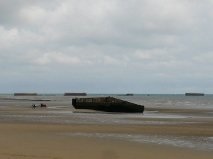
75,94
194,94
25,94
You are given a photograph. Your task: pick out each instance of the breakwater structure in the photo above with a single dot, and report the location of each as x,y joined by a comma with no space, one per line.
129,94
25,94
194,94
75,94
108,104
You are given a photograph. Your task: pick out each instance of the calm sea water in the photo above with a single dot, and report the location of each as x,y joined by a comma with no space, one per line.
149,101
173,101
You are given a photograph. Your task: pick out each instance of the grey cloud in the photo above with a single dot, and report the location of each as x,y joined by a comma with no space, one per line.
10,10
140,43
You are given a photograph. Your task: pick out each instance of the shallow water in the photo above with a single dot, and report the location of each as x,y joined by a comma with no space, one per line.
149,101
173,101
198,143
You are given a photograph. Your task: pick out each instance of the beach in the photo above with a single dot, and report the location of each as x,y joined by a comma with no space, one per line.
61,132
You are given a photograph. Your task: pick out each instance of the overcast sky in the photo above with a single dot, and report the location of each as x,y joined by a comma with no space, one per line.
106,46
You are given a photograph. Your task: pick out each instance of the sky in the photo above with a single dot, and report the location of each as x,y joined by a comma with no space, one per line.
106,46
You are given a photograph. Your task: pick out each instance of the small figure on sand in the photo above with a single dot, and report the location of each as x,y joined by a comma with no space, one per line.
43,105
33,106
39,105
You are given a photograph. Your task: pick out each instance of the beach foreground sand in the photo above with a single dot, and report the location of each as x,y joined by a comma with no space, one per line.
50,141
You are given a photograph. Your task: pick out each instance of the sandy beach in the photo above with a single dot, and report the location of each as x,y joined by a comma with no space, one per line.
60,132
48,141
52,141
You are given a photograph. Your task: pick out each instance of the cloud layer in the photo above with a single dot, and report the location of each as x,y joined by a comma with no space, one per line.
114,46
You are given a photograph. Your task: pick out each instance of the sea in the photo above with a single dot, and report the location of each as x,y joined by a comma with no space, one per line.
148,100
60,110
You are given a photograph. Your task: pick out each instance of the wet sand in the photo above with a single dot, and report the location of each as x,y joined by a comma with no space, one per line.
62,133
41,141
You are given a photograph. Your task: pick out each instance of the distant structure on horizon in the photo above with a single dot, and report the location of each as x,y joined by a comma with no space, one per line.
75,94
194,94
25,94
129,94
